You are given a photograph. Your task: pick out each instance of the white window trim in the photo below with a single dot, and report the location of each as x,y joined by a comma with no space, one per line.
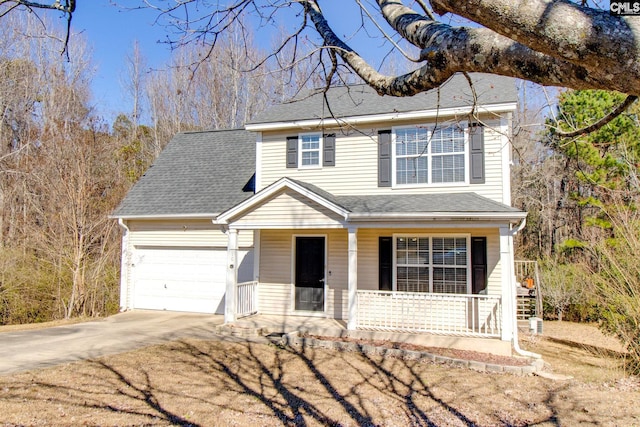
429,183
394,265
320,150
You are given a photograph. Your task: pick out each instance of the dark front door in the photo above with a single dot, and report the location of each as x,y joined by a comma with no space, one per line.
309,274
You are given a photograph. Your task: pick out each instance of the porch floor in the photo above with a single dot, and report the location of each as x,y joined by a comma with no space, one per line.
275,324
282,324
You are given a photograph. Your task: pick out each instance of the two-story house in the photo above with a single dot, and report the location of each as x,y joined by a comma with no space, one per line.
389,213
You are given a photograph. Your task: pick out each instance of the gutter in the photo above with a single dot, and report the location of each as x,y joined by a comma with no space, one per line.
373,118
211,216
516,344
122,224
434,216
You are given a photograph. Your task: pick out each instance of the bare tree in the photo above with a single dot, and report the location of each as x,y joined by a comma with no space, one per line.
562,286
557,43
192,93
134,82
57,181
566,43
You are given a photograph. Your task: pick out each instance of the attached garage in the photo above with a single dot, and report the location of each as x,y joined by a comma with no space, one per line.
183,278
174,253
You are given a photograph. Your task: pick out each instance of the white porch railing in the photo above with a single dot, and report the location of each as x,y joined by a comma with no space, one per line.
246,298
454,314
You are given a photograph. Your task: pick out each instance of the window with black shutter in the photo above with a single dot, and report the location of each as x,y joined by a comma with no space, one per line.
329,150
476,153
384,158
478,264
385,261
292,151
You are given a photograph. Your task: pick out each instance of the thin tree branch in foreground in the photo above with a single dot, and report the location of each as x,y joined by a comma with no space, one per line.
621,108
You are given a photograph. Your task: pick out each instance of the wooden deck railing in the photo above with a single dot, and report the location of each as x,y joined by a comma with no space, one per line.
246,299
453,314
529,304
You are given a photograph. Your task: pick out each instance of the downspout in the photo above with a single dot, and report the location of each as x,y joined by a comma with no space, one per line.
125,267
516,344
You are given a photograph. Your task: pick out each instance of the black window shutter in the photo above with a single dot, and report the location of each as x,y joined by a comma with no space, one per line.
478,264
329,150
384,158
385,251
476,153
292,151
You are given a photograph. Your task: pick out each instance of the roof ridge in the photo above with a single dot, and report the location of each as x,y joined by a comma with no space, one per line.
190,132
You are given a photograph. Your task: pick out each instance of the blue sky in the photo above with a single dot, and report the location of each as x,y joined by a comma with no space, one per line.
111,31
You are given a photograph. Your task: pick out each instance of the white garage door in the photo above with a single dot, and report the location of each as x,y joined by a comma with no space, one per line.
184,279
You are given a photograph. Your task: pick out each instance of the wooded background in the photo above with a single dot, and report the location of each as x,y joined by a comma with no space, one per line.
63,169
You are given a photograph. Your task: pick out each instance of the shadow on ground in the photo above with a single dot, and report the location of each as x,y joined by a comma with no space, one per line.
204,383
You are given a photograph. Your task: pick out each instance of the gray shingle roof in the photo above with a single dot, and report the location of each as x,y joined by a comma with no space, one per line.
197,173
471,203
361,100
424,203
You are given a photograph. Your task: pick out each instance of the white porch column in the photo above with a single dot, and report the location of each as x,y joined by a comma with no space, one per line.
256,255
508,284
125,268
352,277
232,269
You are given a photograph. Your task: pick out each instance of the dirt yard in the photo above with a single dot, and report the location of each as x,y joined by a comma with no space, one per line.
215,383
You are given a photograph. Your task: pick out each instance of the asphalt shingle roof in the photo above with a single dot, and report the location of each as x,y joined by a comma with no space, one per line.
361,100
197,173
424,203
412,203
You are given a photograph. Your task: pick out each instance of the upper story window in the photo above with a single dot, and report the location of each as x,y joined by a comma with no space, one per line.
412,164
310,149
429,155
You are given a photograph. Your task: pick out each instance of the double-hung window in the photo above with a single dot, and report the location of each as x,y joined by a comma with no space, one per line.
447,155
437,264
310,149
425,155
412,159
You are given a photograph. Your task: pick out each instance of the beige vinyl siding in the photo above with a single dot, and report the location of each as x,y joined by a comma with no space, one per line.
494,271
288,208
188,233
356,169
277,274
356,162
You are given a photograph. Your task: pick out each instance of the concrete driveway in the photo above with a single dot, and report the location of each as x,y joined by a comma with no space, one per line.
31,349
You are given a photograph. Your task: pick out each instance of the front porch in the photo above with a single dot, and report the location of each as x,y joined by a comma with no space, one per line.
359,259
413,312
262,324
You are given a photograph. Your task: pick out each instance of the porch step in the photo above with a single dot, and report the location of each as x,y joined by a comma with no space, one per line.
239,331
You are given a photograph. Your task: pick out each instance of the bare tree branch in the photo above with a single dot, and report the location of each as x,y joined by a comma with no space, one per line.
553,43
574,33
68,6
452,49
621,108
